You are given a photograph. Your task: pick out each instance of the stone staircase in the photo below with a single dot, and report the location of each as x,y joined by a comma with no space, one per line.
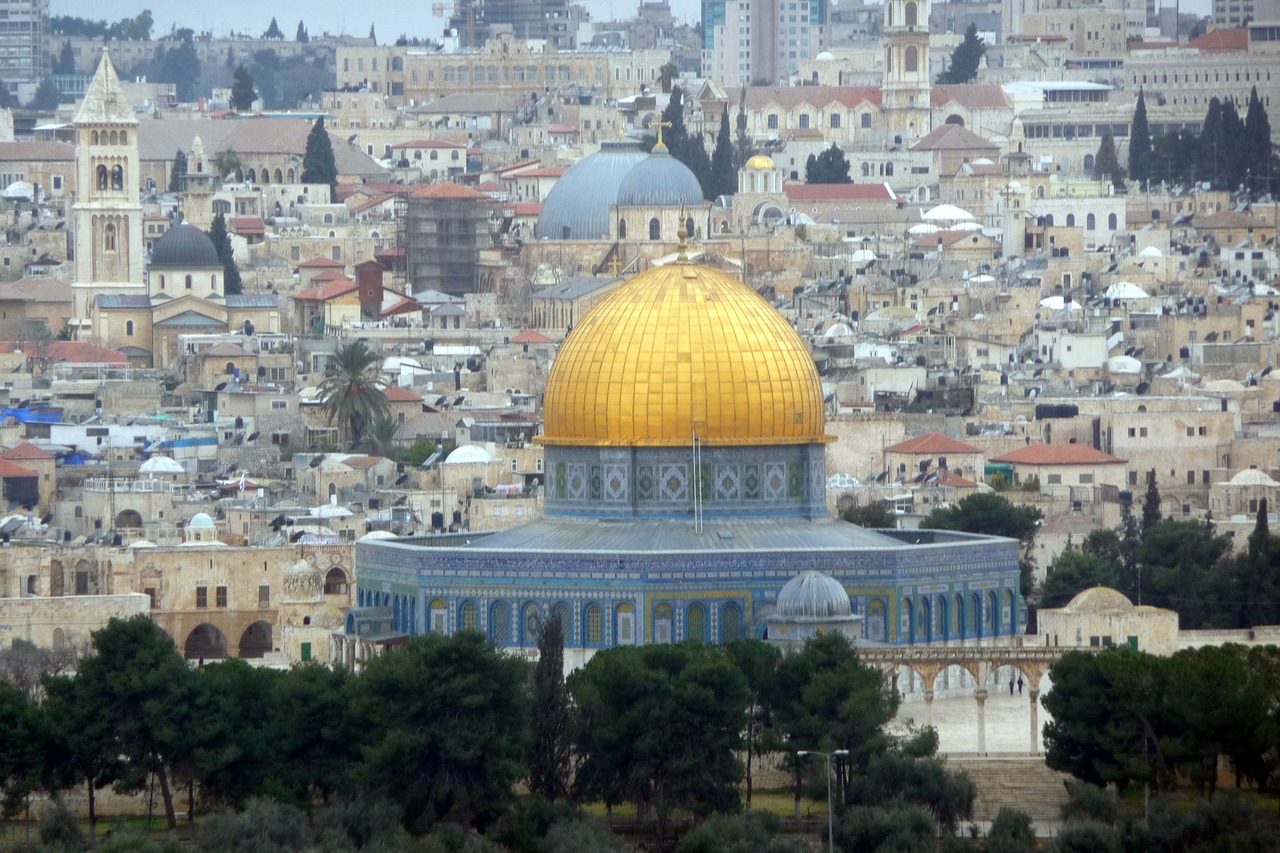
1024,783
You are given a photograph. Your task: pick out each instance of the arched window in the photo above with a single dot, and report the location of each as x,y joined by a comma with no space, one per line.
162,282
500,623
328,219
117,177
114,138
911,61
655,229
188,282
124,137
266,176
593,624
624,625
695,623
688,227
290,174
912,15
731,627
435,155
1071,220
888,170
335,582
109,237
1091,222
102,177
94,137
1040,191
213,281
1048,220
438,617
469,617
561,612
128,328
663,631
252,176
1112,221
866,170
888,55
530,623
622,229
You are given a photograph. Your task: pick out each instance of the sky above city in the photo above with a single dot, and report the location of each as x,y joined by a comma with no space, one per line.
390,17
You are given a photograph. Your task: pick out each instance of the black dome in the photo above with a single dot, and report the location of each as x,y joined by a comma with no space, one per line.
185,247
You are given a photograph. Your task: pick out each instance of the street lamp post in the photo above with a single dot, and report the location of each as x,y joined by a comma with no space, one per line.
831,844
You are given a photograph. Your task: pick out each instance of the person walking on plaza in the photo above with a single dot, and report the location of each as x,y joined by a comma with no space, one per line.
1019,685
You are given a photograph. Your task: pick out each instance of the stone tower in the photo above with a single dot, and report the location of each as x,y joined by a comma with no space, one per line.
197,208
906,83
107,214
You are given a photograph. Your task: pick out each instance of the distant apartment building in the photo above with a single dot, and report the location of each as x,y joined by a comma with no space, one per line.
22,61
744,41
553,21
1240,13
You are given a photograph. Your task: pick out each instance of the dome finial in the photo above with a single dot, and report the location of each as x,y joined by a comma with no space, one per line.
661,146
682,232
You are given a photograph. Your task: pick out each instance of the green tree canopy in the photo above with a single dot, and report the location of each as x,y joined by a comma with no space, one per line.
550,748
180,65
685,147
301,37
993,515
1106,164
421,751
47,96
273,31
352,390
965,59
318,164
22,748
724,176
829,167
231,283
178,174
1140,142
243,93
312,735
66,60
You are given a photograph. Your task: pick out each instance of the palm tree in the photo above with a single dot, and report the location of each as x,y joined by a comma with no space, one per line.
667,75
352,390
382,435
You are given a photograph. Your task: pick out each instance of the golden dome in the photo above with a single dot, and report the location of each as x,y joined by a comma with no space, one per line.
680,348
760,163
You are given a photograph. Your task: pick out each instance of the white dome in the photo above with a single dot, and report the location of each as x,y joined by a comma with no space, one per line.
142,543
161,465
1126,290
1151,252
378,534
1124,364
469,454
331,511
813,595
1252,477
200,521
824,56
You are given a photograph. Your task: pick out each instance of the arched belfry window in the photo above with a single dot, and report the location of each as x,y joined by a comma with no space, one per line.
109,237
102,177
912,15
117,177
912,59
655,229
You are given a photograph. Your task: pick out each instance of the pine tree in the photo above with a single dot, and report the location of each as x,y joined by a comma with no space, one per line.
318,165
273,31
549,747
67,59
1106,164
965,59
302,37
1233,165
1257,144
178,176
231,284
1140,143
1212,147
723,178
243,93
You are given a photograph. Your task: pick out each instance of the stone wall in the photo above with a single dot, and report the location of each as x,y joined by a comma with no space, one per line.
51,622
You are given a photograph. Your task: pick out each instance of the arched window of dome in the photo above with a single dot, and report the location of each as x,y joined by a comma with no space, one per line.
102,177
500,623
117,177
162,282
213,281
688,226
906,621
437,617
128,328
622,228
114,138
912,15
696,625
265,175
188,282
124,137
593,625
877,628
912,60
335,582
1112,221
731,627
109,237
1091,222
562,613
624,625
655,229
469,616
663,631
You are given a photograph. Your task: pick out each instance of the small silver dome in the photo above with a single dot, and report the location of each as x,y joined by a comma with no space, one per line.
813,595
660,180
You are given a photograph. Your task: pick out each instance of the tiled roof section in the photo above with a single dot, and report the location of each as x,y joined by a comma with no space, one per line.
192,319
562,128
19,151
321,262
253,300
482,102
358,204
987,96
531,337
1222,40
328,290
527,208
104,99
931,442
448,190
945,477
838,192
818,97
83,352
1228,219
398,394
26,450
953,137
10,469
225,348
1058,454
248,225
36,288
544,172
362,461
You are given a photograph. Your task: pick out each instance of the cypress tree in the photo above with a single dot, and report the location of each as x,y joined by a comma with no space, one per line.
1106,164
1257,144
178,175
318,165
301,37
231,284
685,148
965,59
1212,147
1140,143
243,93
723,179
1232,161
1151,503
549,748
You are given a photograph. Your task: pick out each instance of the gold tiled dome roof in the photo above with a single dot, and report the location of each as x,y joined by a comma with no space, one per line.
679,348
761,162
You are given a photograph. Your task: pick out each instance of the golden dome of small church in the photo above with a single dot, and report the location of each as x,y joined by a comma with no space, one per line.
685,457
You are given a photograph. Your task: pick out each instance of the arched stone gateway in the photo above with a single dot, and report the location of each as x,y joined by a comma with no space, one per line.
255,642
128,518
205,642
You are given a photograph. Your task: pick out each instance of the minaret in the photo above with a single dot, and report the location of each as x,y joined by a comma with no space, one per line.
906,84
107,214
197,209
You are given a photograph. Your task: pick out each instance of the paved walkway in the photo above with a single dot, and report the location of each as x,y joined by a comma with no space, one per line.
1008,721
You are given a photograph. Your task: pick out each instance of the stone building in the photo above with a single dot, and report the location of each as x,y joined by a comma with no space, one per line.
1103,617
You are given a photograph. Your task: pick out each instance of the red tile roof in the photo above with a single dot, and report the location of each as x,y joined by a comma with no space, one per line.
9,469
838,192
931,442
1058,454
970,95
946,477
26,450
249,225
82,352
397,394
544,172
328,290
527,208
531,337
1222,40
953,137
321,262
447,190
818,97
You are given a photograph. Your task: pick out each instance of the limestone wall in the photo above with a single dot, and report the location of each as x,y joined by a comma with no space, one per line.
50,622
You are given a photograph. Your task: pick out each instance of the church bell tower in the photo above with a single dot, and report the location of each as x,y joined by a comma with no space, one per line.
107,214
906,85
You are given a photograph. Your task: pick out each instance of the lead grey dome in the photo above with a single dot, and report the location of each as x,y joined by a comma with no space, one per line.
660,180
813,595
577,208
185,247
